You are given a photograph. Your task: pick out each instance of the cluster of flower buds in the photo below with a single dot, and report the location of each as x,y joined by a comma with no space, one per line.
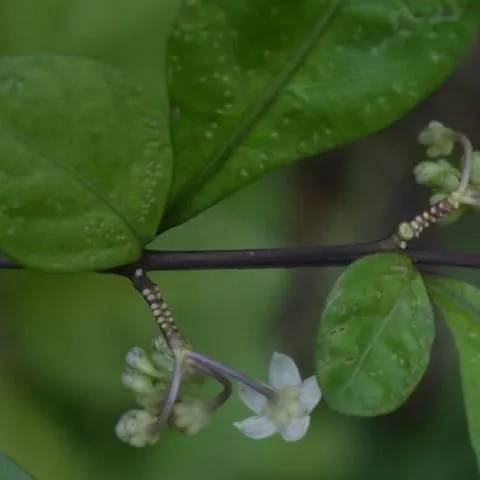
443,178
150,378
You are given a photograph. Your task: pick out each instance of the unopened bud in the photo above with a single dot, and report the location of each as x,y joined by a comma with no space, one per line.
191,415
137,360
438,139
163,363
439,175
138,383
161,346
137,428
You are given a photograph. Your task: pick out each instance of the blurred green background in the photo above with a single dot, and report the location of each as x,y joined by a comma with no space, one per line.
63,338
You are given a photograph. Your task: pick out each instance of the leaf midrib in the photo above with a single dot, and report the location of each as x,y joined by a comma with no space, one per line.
374,340
202,177
89,186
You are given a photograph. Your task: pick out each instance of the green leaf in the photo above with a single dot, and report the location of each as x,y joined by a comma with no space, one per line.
258,84
10,470
460,305
374,340
85,164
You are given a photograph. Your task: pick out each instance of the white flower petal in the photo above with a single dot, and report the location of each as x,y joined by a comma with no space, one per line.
257,427
283,372
252,399
310,393
296,429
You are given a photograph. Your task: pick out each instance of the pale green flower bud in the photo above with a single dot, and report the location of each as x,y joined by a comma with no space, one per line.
439,175
161,346
138,383
191,415
438,139
163,362
137,360
137,428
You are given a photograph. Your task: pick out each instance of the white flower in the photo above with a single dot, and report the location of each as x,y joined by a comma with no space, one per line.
289,413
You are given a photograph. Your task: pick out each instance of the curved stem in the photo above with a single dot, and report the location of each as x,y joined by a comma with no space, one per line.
172,393
473,201
467,166
225,394
261,388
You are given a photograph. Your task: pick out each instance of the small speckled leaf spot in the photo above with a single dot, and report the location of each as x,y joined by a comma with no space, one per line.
375,336
256,85
85,164
9,470
459,303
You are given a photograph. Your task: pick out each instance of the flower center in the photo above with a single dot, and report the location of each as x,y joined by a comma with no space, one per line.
285,407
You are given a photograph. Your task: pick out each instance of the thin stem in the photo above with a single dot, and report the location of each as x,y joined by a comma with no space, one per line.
225,394
296,257
258,258
473,201
172,393
261,388
467,166
293,257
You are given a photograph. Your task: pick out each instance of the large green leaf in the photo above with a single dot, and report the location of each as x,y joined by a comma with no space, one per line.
10,470
375,336
85,164
134,38
257,84
460,305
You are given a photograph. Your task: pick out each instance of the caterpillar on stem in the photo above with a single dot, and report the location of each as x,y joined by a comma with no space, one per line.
160,310
407,231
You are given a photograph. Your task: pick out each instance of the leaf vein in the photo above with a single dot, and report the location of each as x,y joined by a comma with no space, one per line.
225,150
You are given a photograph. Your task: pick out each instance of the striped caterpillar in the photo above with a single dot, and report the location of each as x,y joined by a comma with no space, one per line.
413,229
160,310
